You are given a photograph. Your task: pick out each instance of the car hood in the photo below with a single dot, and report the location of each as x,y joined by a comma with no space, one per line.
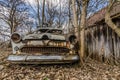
40,36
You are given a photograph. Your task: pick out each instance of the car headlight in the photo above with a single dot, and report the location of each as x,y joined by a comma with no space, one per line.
16,37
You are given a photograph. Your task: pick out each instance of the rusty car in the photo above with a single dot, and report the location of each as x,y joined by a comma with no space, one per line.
46,45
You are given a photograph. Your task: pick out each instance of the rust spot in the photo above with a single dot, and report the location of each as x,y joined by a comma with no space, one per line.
45,50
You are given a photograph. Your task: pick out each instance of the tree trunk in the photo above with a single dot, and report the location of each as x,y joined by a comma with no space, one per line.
75,22
76,30
82,26
69,12
38,12
43,8
108,18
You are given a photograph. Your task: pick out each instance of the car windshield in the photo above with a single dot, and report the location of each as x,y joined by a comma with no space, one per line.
53,31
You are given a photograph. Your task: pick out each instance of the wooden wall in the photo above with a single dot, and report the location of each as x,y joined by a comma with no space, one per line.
102,43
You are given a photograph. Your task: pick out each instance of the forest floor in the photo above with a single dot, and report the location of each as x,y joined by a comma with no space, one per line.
92,70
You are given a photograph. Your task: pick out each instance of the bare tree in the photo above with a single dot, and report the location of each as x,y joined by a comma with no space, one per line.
82,26
75,20
80,29
108,18
51,11
43,14
15,14
38,11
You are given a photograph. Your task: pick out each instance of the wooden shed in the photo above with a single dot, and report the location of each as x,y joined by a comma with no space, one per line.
102,43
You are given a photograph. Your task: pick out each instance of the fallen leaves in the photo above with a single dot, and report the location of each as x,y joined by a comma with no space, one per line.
92,70
1,67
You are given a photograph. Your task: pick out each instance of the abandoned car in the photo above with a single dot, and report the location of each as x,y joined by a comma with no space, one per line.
44,46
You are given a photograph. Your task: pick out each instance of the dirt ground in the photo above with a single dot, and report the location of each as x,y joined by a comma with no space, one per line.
92,70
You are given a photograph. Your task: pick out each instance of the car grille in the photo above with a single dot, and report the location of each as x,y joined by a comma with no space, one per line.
44,50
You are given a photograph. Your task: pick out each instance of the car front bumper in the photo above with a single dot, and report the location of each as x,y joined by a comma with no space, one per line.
42,59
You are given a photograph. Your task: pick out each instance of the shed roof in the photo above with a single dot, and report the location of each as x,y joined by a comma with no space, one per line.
100,15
